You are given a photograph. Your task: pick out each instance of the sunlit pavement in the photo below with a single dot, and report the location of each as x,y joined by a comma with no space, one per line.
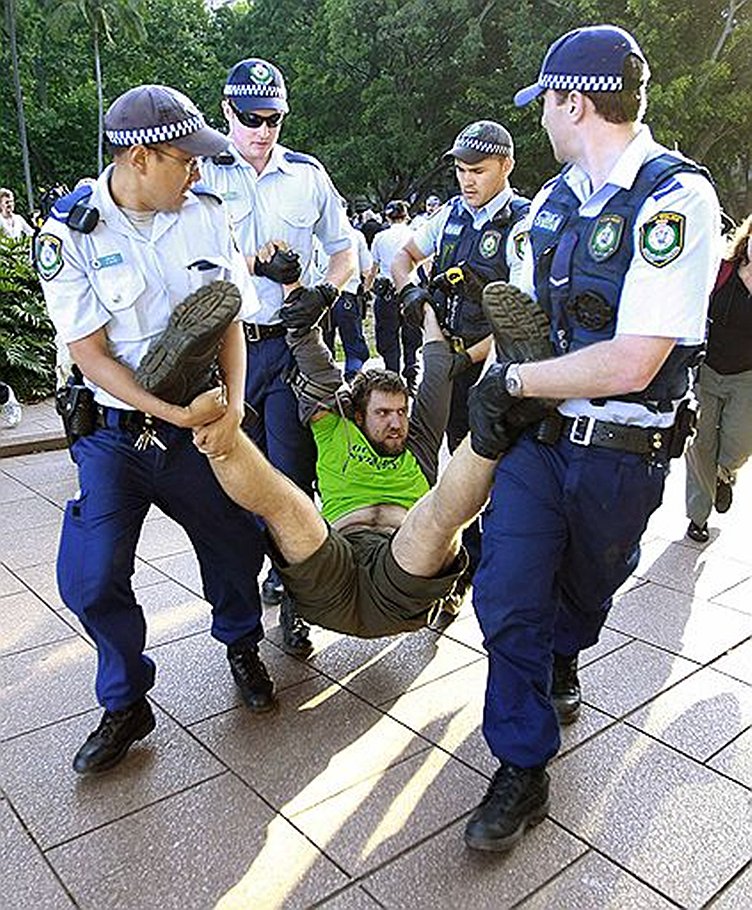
353,794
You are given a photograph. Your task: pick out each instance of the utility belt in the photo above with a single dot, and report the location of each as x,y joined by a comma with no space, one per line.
650,442
255,332
132,422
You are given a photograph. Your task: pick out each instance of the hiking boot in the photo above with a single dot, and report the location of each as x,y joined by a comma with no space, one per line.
698,533
565,689
116,733
516,798
521,329
295,632
272,590
180,362
724,495
251,676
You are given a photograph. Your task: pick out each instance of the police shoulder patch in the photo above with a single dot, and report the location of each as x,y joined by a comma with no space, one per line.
662,238
48,255
518,242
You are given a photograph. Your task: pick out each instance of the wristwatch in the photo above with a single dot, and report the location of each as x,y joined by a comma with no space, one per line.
513,380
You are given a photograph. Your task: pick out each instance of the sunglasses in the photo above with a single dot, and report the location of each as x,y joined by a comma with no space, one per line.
254,121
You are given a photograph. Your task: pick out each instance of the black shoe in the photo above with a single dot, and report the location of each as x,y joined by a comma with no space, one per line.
272,590
295,632
698,533
520,326
251,676
180,362
565,689
724,494
516,798
116,733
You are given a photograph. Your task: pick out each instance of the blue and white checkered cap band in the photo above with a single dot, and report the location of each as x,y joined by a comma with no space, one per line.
150,135
254,91
488,148
569,82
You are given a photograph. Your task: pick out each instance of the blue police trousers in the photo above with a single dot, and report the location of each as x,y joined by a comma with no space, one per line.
560,535
100,532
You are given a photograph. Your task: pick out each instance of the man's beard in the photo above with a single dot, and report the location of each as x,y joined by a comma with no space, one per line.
381,449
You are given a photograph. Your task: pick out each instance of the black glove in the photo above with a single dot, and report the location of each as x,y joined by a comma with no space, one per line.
459,278
383,287
411,301
283,267
488,405
461,361
303,307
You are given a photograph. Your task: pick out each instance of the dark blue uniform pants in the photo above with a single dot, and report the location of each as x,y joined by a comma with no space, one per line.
98,547
345,315
560,535
288,445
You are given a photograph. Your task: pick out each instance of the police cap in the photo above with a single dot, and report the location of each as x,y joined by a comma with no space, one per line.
479,140
256,84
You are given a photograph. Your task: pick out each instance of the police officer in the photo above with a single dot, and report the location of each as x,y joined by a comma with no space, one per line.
115,260
622,256
482,227
277,197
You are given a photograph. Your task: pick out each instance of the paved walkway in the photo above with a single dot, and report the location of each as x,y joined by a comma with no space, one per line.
353,795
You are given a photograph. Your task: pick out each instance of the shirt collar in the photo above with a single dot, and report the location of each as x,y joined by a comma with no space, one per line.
101,199
624,172
488,211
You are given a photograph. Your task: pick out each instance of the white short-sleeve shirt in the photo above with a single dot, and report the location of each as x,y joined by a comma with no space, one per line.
128,284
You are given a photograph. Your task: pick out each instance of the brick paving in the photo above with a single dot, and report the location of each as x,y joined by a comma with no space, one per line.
353,794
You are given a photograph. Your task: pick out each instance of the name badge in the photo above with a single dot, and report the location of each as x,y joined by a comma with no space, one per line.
103,262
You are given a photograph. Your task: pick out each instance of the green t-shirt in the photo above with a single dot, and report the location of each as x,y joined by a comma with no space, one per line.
352,475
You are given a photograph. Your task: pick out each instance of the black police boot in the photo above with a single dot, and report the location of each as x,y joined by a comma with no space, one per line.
565,689
272,589
116,733
724,496
251,676
516,798
295,632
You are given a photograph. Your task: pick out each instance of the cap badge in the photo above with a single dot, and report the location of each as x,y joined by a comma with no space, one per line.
261,74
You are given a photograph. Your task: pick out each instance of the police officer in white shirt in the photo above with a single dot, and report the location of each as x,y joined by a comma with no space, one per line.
277,197
115,261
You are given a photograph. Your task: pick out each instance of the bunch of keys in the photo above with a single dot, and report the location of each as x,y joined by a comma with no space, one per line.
148,436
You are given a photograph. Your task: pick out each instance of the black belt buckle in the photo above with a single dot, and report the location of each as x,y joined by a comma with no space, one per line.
252,331
582,429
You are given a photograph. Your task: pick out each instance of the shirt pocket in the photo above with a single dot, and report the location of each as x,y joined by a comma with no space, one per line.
204,270
121,291
298,214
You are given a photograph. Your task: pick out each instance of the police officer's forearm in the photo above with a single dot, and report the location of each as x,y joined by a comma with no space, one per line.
624,364
342,266
479,351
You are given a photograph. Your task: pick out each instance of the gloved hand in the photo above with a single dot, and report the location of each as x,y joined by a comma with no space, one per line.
411,300
303,307
383,287
462,278
283,267
461,361
488,405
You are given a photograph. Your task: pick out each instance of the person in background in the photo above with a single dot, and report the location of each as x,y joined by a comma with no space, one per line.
11,223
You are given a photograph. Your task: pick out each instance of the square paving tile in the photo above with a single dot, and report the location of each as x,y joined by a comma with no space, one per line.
183,568
375,820
380,668
45,684
466,629
167,761
701,573
23,515
608,641
736,760
594,883
699,715
678,826
172,612
33,470
10,488
443,873
194,681
737,663
162,537
354,898
696,629
738,597
26,880
21,550
738,895
9,583
25,621
630,676
322,740
215,845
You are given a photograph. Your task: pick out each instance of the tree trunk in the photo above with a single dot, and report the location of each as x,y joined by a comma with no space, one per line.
10,11
100,102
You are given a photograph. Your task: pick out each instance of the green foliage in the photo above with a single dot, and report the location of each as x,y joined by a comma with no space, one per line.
27,338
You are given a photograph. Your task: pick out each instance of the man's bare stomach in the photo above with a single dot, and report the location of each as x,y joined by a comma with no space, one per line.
380,518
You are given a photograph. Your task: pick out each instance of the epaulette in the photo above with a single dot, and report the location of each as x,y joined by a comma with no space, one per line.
62,208
300,158
201,189
224,159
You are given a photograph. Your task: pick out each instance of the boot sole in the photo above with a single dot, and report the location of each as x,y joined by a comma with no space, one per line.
177,366
502,844
521,329
142,732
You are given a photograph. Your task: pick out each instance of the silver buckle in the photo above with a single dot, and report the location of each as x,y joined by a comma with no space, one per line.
252,332
582,430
